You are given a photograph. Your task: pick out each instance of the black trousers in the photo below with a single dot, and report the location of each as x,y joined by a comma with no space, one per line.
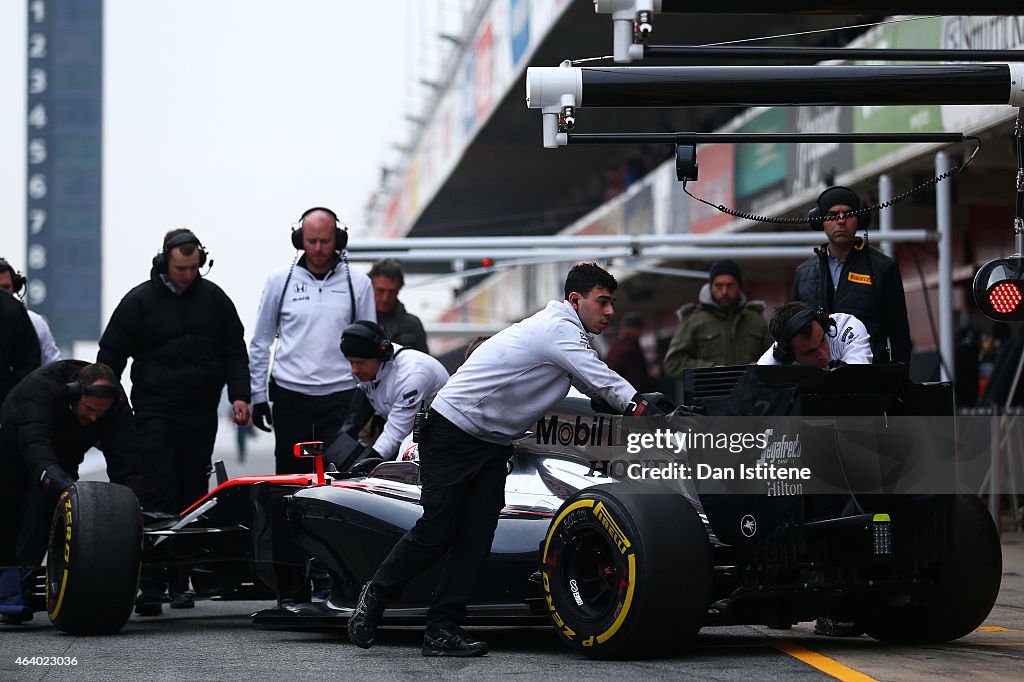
26,511
176,449
299,418
463,492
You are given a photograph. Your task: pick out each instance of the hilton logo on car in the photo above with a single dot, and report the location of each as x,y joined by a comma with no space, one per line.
583,431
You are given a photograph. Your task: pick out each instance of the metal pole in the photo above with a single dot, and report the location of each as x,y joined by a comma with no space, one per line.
940,7
754,54
994,459
804,237
673,86
944,222
885,217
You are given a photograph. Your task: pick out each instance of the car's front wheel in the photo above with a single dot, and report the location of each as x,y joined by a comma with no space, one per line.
627,571
94,558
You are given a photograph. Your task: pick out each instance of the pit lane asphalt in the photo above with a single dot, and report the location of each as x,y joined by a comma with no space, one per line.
216,641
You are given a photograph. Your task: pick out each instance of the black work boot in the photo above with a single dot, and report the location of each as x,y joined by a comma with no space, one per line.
363,624
451,640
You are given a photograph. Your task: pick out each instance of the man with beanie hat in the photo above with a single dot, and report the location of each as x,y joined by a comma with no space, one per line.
722,328
393,381
846,275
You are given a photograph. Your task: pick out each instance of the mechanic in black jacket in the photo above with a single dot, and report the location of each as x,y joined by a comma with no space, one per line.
19,345
846,275
186,340
47,423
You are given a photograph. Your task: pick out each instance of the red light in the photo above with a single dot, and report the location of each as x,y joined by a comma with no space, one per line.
1004,297
487,262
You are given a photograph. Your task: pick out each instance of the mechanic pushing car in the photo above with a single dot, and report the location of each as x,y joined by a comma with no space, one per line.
509,382
811,338
47,423
393,381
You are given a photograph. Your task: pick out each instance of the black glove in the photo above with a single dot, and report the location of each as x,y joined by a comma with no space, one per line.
367,460
688,410
261,417
55,480
649,405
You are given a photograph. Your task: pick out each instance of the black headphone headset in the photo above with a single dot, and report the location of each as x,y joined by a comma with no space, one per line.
162,260
816,216
340,235
372,332
17,279
76,390
782,351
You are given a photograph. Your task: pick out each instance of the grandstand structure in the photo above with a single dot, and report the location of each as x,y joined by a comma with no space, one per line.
476,168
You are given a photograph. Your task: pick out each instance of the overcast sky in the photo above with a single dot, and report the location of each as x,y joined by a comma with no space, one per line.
230,118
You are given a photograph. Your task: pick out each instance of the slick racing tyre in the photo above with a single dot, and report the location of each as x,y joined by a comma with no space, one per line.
966,582
627,571
94,558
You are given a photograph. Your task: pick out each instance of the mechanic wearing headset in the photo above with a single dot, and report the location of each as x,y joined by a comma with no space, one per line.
848,276
19,345
13,282
186,339
393,381
47,423
305,308
509,382
810,338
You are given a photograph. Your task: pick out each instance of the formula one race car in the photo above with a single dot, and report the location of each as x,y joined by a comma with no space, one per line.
620,568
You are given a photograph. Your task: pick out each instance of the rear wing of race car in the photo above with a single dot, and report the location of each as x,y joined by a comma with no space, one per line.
760,390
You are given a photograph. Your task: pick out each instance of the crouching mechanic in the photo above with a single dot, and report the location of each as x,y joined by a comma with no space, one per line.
503,388
810,338
47,423
393,381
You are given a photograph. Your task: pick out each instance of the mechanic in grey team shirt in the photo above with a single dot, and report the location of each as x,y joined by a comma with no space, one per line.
393,381
811,338
508,383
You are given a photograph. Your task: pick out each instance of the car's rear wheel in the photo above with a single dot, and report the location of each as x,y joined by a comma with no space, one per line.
966,583
627,571
94,558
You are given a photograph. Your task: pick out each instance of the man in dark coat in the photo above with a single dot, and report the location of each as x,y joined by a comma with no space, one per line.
19,345
47,423
186,340
401,326
846,275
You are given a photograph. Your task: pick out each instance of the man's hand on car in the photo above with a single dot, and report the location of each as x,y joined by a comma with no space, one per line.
367,460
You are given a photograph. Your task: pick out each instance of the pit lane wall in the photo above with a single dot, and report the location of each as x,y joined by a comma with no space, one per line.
767,178
496,51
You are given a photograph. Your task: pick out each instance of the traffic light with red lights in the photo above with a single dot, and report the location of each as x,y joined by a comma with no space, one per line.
999,289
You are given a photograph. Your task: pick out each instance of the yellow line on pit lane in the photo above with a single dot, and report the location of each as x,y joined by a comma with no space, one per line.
823,663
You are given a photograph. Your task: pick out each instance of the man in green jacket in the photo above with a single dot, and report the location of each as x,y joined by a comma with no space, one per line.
723,328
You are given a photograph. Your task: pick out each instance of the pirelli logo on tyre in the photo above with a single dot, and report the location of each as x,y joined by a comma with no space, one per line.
617,536
584,620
